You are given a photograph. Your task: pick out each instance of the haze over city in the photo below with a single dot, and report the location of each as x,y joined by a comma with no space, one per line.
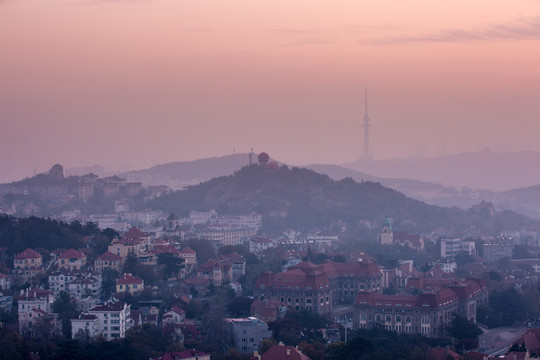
129,84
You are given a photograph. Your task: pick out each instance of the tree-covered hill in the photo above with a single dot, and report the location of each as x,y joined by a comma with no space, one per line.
303,199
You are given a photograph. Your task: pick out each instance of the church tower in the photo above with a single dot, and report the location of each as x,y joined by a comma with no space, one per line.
387,235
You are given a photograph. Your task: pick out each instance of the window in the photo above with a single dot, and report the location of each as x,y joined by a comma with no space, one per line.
362,317
388,318
408,319
398,318
378,318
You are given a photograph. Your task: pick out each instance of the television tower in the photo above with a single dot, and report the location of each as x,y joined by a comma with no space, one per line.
366,150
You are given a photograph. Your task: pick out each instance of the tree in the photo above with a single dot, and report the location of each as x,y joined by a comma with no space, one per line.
239,306
171,263
66,308
465,331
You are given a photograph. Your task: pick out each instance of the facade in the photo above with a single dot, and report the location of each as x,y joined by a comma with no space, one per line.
452,247
174,316
28,263
129,283
78,283
248,333
110,319
428,313
259,244
190,260
108,261
497,250
34,311
72,260
224,268
318,288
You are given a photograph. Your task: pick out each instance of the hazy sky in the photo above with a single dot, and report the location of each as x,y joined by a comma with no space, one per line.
133,83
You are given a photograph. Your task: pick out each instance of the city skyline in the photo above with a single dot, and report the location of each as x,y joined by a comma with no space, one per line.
131,84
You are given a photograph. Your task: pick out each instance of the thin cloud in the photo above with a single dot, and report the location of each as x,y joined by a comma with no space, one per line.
312,41
523,28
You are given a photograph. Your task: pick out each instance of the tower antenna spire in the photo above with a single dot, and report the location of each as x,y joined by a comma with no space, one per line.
366,149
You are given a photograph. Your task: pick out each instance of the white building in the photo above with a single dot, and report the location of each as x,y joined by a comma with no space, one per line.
110,319
452,247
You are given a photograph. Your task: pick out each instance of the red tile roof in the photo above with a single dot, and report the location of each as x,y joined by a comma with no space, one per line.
28,254
283,352
71,254
187,250
129,279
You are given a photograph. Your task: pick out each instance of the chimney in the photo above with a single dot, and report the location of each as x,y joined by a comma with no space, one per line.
288,352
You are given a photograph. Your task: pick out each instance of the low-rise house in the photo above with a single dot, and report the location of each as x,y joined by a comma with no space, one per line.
108,261
129,283
268,310
112,319
174,316
72,259
28,263
283,352
224,268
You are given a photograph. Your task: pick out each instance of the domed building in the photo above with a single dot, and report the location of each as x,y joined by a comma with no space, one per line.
263,158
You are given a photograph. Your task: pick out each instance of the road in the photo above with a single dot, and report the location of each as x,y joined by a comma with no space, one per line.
495,340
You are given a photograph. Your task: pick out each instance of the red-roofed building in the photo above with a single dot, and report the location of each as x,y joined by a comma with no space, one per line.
71,259
428,313
130,283
28,263
223,268
284,352
108,261
184,355
174,316
319,287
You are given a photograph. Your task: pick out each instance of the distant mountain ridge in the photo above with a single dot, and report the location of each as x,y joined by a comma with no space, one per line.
484,169
182,173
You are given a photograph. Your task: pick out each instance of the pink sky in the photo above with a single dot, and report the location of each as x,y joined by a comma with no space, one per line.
133,83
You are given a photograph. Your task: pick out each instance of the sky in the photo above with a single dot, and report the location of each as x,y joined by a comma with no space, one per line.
128,84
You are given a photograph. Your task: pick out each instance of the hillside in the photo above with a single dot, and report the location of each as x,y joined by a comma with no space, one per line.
478,170
303,199
178,174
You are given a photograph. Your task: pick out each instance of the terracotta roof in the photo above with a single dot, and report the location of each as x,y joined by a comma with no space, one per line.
187,354
71,254
283,352
28,254
109,256
129,279
187,250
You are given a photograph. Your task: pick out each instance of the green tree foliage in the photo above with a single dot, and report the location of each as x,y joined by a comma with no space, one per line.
300,198
503,309
239,306
171,264
465,331
66,308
